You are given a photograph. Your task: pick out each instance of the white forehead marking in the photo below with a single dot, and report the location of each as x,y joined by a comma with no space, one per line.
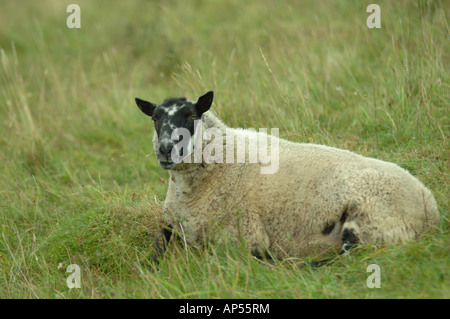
172,109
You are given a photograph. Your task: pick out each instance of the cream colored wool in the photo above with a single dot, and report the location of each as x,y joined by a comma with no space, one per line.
304,208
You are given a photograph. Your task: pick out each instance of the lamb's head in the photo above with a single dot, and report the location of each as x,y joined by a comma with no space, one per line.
172,114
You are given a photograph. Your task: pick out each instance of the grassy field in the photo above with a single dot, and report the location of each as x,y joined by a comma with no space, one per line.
79,183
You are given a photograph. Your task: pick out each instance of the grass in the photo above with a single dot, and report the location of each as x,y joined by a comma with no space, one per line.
79,183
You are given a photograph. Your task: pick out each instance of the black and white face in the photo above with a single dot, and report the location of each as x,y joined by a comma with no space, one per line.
172,114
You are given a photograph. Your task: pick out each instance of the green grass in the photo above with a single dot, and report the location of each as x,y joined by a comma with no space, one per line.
77,186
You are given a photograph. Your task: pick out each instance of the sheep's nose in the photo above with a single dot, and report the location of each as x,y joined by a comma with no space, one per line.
166,149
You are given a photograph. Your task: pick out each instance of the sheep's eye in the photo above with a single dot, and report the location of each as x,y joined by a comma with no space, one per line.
192,117
154,118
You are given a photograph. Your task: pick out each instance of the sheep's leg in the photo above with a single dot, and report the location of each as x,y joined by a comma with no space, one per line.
160,245
255,236
261,256
349,240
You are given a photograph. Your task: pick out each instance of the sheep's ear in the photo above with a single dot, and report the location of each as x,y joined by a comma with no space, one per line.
204,102
145,106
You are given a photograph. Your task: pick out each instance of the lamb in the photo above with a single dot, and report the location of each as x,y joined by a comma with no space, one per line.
320,198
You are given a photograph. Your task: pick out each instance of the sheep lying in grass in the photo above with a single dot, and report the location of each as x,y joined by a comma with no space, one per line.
319,198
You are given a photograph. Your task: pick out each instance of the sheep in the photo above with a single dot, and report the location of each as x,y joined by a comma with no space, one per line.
320,197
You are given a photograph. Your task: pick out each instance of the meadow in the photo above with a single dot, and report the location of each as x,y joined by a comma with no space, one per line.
79,183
